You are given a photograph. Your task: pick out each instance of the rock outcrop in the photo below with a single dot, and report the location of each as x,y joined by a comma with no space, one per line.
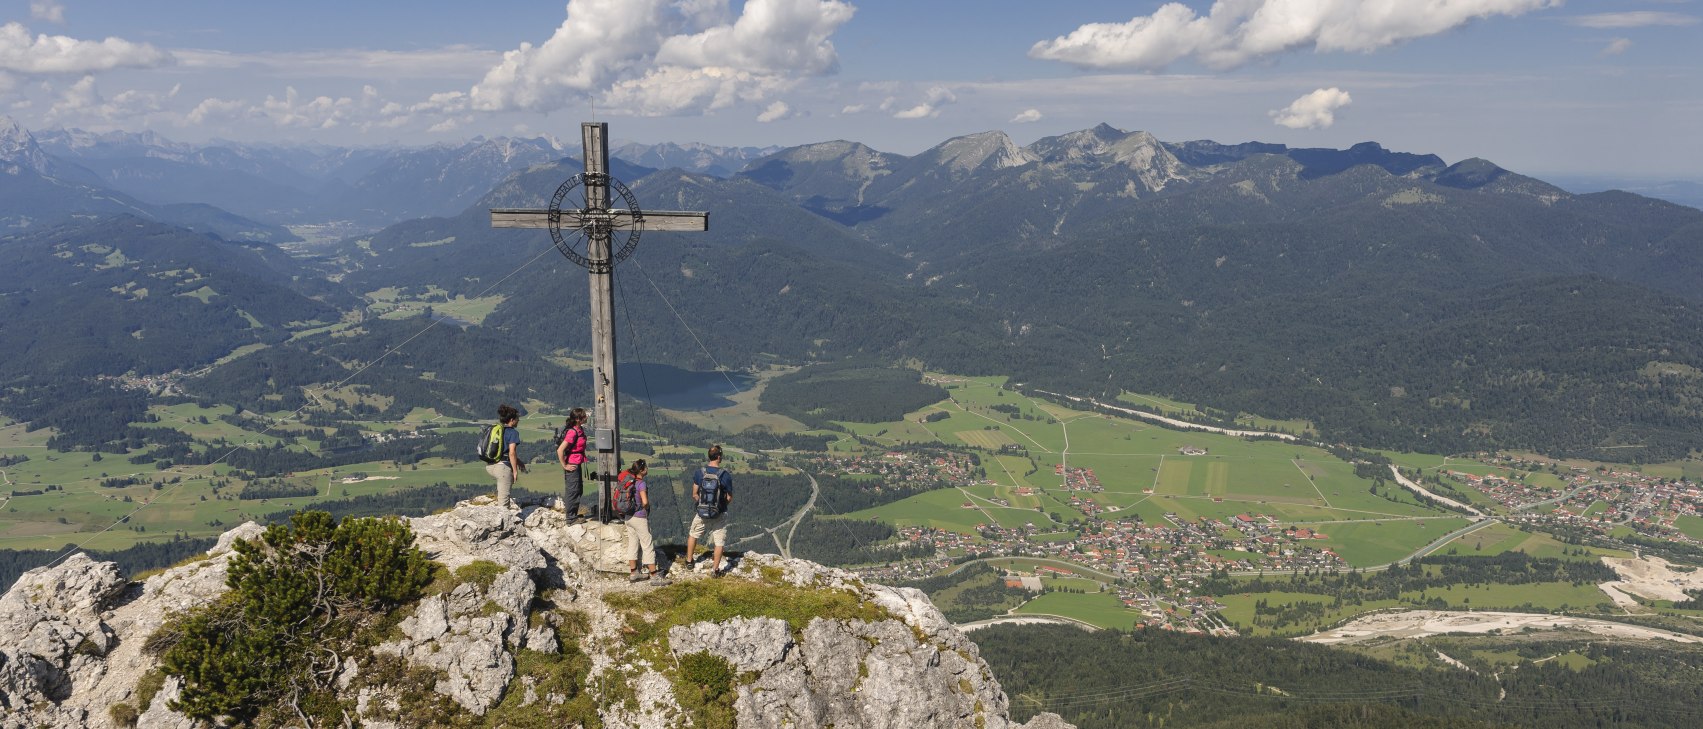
529,624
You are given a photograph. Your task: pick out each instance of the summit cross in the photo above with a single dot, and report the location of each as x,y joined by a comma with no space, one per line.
586,236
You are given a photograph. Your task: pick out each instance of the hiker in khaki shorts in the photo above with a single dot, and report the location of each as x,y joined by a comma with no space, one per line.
712,492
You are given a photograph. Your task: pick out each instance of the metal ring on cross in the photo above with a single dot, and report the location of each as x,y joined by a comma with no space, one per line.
575,229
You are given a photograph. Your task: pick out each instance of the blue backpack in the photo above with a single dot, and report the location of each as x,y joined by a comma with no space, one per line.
709,492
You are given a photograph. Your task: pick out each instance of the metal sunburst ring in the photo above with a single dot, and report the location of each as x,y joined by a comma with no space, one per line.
573,229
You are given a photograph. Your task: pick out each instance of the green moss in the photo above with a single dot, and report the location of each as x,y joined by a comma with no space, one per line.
650,614
704,686
123,714
482,573
148,686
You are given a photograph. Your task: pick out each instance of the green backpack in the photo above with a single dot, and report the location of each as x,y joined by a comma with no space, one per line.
491,445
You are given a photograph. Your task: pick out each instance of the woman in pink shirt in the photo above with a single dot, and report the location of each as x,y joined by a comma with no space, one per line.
571,454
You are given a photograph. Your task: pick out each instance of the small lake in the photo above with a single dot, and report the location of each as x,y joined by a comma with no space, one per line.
667,386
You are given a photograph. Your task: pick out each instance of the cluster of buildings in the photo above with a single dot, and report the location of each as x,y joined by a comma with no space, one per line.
1078,479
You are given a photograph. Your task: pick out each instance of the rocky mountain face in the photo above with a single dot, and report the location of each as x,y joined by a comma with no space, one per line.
544,632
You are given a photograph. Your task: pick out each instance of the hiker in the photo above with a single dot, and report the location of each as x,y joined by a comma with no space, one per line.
571,454
632,503
504,464
712,492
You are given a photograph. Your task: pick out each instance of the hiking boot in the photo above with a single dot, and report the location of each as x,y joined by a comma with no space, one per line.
717,572
635,577
657,580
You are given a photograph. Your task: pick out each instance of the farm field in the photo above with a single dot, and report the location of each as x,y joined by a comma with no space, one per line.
1098,608
1173,408
1690,526
1502,538
188,507
1365,544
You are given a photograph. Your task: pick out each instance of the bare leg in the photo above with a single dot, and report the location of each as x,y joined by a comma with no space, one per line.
717,567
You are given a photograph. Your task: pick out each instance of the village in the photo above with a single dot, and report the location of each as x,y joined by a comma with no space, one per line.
1606,501
1152,567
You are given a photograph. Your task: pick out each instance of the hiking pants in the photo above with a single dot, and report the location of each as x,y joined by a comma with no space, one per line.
573,487
638,537
505,479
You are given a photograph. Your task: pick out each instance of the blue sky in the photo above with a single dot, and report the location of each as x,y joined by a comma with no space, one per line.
1604,87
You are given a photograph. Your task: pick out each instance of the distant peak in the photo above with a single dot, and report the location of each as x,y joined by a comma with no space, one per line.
983,149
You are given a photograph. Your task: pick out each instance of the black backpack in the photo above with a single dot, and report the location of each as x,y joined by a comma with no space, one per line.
709,492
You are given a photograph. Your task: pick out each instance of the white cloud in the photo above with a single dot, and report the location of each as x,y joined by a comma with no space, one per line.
82,103
1027,116
43,54
854,109
454,62
48,10
1235,32
1616,47
775,112
937,97
1316,110
1632,19
212,111
659,57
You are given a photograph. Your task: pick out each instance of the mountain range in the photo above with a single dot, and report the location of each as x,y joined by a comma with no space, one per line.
1388,298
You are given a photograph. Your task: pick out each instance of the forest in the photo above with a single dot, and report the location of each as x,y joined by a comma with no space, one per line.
856,390
1118,680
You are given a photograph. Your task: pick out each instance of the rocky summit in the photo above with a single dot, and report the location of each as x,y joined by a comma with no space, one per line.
526,626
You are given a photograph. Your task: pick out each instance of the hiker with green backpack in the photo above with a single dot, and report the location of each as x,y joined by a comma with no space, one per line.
712,492
498,448
632,504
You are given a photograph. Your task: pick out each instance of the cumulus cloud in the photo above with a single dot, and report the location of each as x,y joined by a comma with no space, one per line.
48,10
83,103
1316,110
776,112
50,54
658,57
1027,116
1235,32
1632,19
1616,47
854,108
937,97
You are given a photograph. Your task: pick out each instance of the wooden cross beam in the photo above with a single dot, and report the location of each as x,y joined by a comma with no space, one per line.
595,223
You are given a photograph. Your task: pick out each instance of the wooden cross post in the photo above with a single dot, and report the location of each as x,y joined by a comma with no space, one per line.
596,225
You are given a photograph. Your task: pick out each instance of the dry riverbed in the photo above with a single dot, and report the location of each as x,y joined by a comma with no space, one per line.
1426,623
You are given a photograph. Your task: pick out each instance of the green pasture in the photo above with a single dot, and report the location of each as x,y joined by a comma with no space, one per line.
1691,470
186,417
1096,608
1540,595
16,435
1368,543
1175,408
1502,538
939,509
1072,583
190,507
1690,526
743,413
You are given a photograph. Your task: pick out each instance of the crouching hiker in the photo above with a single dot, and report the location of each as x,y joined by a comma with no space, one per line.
633,504
712,492
498,448
571,454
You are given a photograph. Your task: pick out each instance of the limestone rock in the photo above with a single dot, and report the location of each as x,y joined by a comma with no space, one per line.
71,639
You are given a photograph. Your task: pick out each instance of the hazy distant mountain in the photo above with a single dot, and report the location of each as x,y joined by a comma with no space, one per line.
37,189
1684,192
290,184
691,156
